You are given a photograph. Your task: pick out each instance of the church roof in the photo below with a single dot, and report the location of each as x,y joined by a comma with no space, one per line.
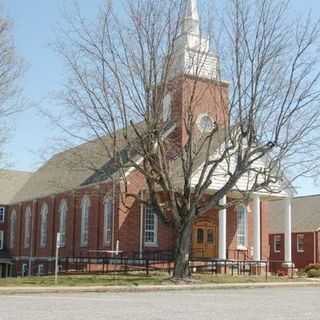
305,215
87,163
11,181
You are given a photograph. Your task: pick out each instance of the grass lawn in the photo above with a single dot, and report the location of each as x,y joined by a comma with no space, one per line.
131,280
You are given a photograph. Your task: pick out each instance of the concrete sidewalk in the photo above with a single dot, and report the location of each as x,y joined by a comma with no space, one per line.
151,288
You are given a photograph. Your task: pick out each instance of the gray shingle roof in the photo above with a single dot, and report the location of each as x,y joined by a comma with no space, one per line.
11,181
75,167
305,215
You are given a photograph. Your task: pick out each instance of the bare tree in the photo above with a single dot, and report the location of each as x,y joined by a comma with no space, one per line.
10,71
126,69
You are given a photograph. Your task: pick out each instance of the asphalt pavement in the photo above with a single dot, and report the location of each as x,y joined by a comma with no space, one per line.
291,303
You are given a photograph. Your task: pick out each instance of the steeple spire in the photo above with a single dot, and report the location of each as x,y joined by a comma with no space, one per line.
192,53
190,23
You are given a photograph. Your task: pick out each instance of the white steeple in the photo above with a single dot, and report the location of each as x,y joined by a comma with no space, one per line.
190,23
193,54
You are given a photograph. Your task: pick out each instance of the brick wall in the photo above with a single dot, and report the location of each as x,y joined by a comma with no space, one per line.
300,259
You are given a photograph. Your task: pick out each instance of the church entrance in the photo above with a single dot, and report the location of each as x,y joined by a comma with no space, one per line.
204,239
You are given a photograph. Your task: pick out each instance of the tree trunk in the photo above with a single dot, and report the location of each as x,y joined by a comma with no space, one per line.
181,268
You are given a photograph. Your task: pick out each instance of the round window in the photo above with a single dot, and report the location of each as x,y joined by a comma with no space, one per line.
205,123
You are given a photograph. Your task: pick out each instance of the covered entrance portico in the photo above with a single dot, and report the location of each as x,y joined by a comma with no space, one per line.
209,236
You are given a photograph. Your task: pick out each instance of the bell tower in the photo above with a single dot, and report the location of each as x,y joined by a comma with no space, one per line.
195,79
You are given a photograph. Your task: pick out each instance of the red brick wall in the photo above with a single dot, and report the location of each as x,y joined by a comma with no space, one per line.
204,96
300,259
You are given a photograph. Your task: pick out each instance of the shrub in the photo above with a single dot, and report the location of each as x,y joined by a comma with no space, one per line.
312,266
313,273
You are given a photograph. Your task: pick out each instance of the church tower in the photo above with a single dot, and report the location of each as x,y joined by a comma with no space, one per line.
195,79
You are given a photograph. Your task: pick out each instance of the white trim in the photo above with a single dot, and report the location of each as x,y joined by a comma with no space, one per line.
24,270
107,220
27,227
141,227
13,228
241,246
288,230
63,212
44,223
1,239
256,228
223,230
199,119
40,266
276,237
84,225
2,214
299,235
166,107
153,243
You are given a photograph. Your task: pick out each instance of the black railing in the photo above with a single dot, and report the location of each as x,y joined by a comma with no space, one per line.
121,263
230,267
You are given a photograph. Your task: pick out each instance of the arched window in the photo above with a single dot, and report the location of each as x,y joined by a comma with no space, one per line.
13,225
84,230
63,208
44,226
27,227
242,218
107,223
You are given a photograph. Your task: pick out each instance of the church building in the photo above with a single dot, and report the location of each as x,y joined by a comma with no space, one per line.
65,195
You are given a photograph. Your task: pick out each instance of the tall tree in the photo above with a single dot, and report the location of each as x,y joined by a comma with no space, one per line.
146,68
10,72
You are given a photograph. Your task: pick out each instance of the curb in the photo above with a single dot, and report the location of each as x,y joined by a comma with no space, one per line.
156,288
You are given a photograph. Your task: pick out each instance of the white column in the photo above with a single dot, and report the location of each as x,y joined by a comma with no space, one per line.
256,228
223,230
288,231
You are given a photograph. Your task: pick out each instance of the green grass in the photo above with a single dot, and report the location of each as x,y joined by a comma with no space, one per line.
130,280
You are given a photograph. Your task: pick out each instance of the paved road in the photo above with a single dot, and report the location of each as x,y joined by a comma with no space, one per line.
247,304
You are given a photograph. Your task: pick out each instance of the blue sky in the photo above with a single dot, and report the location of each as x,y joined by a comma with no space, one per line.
35,24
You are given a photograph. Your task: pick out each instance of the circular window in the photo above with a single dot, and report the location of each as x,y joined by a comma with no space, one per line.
205,123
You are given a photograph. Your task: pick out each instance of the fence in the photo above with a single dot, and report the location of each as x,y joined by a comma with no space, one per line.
230,267
162,261
122,263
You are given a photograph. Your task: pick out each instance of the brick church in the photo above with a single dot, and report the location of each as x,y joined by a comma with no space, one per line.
65,195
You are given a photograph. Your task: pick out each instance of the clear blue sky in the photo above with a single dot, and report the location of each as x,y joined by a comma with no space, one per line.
35,23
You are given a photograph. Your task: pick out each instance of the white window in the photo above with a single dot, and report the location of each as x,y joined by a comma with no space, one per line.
242,217
150,227
44,226
27,227
13,225
2,214
40,269
62,222
84,230
300,242
277,243
24,269
1,239
107,228
166,107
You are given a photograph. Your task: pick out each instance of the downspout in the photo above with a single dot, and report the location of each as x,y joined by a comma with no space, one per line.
141,228
113,212
316,245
